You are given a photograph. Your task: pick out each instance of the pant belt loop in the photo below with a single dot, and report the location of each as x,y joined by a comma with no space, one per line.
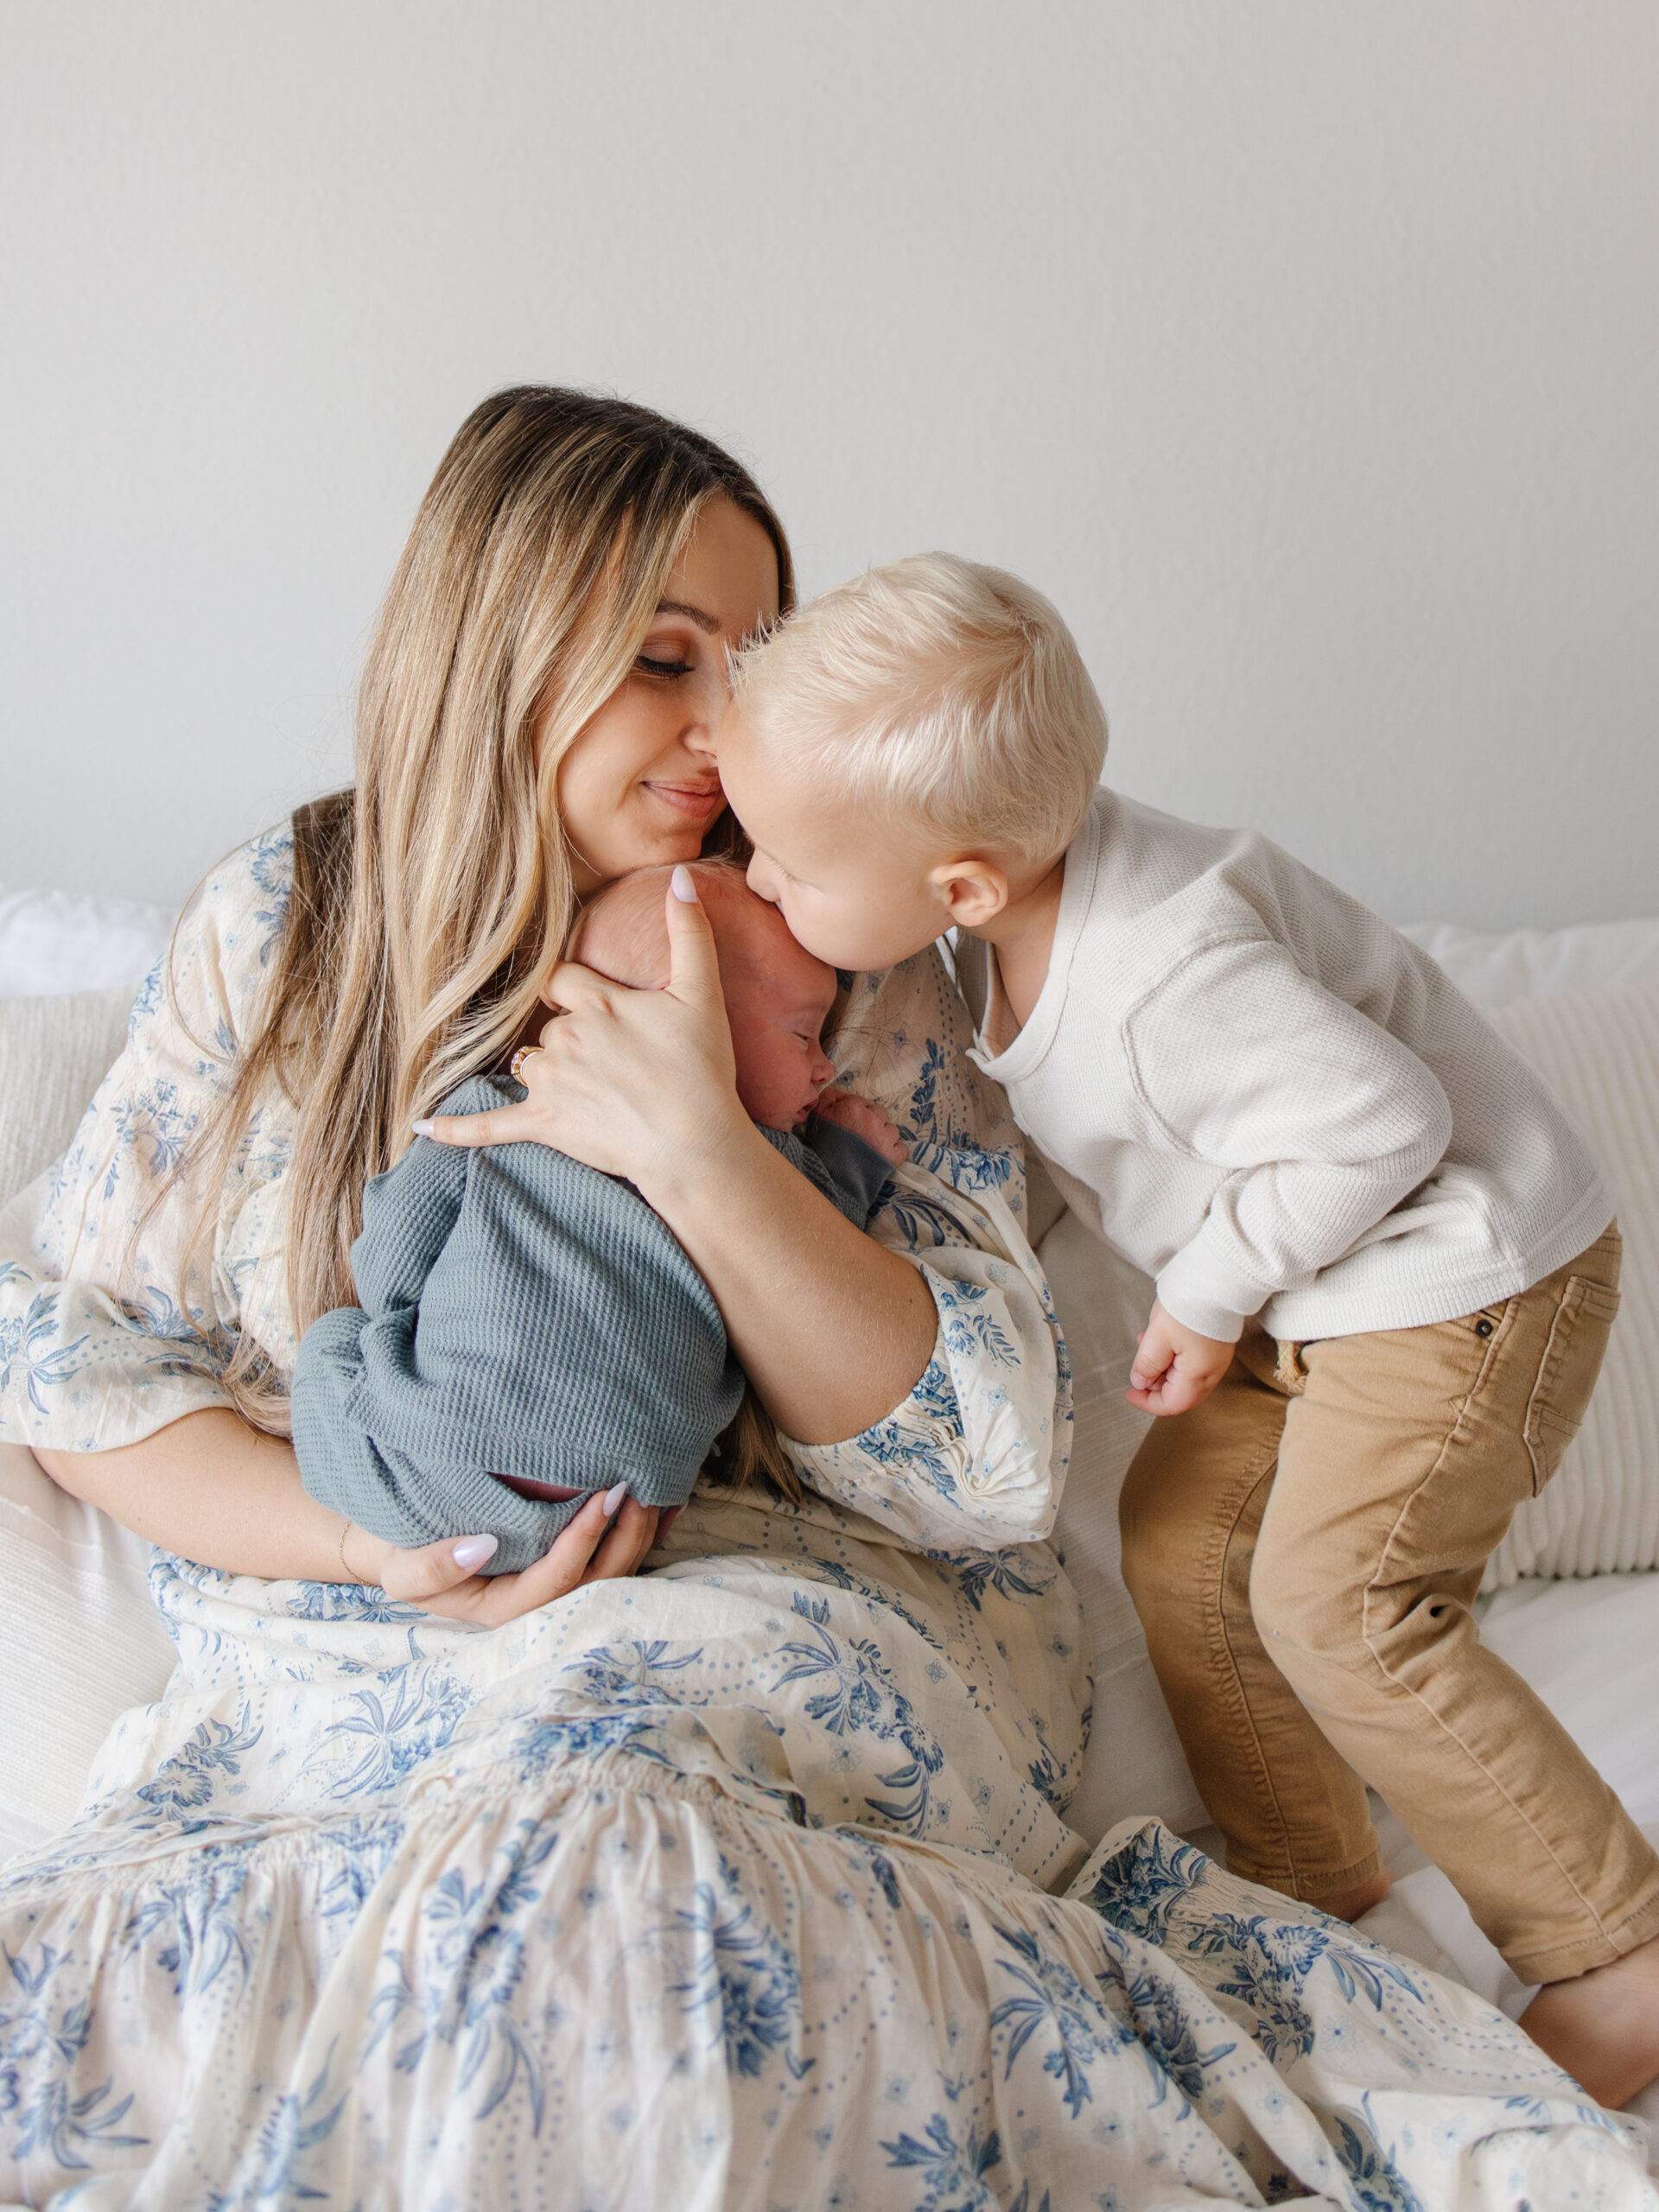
1289,1373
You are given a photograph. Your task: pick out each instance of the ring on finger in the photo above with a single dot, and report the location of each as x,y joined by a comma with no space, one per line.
516,1067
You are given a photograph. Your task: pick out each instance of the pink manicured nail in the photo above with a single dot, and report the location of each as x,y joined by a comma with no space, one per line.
471,1552
613,1498
684,885
421,1129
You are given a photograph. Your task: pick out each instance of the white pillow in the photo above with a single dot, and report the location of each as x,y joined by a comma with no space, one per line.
1493,971
1598,1051
56,941
79,1643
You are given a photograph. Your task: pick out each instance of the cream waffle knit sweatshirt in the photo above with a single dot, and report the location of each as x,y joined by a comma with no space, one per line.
1266,1098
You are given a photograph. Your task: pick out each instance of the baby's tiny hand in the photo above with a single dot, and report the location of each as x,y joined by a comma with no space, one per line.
1175,1368
862,1119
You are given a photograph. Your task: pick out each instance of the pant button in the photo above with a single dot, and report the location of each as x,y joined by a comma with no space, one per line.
1482,1328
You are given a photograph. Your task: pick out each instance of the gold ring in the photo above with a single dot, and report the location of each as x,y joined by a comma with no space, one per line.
517,1067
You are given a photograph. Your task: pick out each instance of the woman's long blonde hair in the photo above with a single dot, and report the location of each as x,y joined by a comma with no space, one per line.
430,897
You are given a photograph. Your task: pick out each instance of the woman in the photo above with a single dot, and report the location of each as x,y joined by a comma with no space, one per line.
535,719
730,1884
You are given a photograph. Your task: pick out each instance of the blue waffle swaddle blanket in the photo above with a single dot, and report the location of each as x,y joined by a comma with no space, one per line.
521,1314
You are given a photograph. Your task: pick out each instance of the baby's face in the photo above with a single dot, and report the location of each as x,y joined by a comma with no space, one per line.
854,890
777,998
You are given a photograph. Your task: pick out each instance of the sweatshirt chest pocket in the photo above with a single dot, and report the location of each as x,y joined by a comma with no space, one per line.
1567,1374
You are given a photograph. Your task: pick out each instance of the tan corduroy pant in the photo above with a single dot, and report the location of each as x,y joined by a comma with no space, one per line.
1304,1549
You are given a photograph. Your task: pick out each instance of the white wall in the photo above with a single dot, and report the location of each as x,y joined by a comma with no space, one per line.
1308,351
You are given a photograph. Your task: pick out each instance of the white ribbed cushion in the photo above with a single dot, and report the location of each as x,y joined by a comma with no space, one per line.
80,1639
1135,1762
53,1054
1598,1051
80,1642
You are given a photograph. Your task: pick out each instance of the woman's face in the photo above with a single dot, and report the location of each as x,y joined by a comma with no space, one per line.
639,786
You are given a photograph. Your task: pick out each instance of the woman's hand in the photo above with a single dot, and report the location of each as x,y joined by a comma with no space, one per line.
444,1578
832,1329
629,1082
211,1489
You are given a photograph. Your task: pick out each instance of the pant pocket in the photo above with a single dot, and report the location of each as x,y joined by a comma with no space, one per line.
1567,1374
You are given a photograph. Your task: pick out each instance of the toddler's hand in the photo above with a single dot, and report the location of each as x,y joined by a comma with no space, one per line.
862,1119
1175,1367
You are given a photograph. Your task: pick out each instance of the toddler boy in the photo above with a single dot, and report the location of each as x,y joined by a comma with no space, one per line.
1384,1262
529,1332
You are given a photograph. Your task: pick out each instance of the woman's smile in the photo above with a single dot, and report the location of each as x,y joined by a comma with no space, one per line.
701,800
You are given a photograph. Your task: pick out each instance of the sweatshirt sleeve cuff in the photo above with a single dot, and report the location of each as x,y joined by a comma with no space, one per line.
1190,1292
858,1169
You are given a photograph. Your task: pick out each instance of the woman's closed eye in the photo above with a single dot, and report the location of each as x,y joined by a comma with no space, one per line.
664,668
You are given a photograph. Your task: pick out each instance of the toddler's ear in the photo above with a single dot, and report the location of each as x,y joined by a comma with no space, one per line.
975,890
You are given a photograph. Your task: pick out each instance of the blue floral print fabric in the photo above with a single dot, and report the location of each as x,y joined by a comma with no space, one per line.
745,1883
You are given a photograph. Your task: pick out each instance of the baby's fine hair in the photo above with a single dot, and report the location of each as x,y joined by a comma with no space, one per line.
621,931
938,688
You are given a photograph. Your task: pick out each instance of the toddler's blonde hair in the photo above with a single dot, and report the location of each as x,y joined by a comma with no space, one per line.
941,688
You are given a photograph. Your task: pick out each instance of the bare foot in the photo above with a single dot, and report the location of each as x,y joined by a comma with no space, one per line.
1350,1904
1603,2025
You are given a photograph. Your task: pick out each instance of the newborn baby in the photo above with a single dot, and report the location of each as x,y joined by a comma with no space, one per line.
530,1331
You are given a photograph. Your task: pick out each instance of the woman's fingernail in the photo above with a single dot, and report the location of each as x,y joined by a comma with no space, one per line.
684,885
421,1129
613,1497
471,1552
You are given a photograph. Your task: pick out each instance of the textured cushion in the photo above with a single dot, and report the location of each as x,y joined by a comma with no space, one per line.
53,1054
1135,1762
74,1598
73,1595
1598,1051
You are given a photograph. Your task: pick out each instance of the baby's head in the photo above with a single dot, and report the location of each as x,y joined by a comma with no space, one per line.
777,994
907,753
